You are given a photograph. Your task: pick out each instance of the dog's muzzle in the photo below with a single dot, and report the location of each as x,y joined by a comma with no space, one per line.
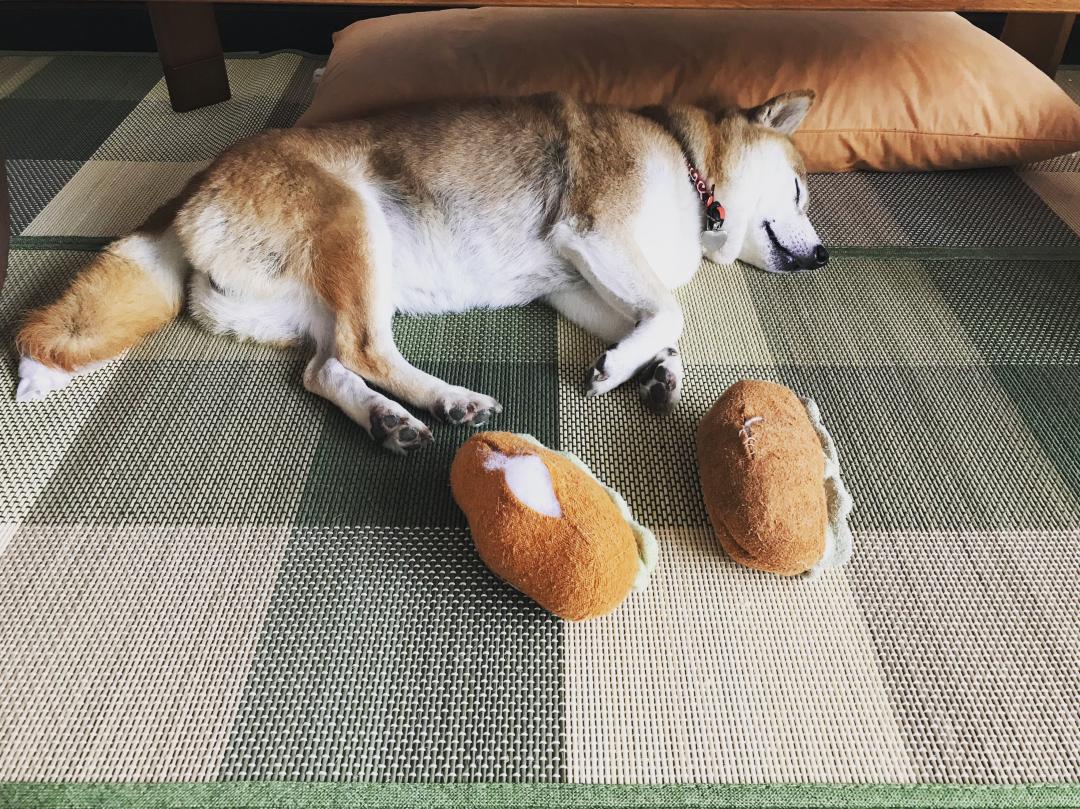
819,258
815,259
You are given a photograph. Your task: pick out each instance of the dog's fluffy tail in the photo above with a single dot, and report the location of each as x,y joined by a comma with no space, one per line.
134,287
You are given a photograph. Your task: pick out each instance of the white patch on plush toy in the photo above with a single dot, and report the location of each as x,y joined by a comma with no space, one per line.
838,538
529,479
648,548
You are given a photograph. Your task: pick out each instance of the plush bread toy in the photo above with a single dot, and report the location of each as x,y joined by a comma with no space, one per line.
771,480
543,523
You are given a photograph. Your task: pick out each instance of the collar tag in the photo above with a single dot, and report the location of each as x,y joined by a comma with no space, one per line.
714,211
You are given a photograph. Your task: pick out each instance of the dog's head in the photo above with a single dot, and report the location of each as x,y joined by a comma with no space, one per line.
769,192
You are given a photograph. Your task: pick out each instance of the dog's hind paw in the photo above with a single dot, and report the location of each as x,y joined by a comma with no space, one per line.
36,381
397,431
660,381
463,407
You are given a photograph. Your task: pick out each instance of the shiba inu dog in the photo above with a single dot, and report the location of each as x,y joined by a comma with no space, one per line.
325,233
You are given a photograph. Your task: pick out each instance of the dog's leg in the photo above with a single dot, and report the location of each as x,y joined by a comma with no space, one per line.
357,287
386,421
621,277
371,353
584,306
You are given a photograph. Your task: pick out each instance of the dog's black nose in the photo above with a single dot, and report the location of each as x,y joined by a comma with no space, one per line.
821,256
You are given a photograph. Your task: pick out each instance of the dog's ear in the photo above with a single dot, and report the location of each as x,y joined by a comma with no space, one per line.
783,113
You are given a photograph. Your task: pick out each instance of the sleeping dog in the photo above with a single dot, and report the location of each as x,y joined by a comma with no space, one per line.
327,232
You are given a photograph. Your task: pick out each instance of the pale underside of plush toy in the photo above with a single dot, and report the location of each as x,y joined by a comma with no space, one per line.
838,537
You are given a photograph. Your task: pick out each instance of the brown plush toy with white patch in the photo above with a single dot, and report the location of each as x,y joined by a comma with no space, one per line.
543,523
771,479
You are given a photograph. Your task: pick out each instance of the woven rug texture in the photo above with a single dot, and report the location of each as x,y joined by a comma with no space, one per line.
214,585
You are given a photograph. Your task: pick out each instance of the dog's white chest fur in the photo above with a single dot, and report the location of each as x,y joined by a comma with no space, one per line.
451,265
667,226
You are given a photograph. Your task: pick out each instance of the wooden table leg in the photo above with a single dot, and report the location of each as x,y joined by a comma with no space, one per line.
190,50
1040,38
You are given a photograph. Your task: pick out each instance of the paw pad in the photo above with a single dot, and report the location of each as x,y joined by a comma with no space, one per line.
470,409
398,433
660,382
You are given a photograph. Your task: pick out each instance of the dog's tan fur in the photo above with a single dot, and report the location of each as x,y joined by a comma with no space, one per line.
110,306
299,232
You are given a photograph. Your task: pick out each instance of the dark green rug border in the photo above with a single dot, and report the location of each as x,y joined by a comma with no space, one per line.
89,244
294,795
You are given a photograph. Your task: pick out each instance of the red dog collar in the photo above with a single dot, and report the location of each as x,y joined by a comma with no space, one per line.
714,211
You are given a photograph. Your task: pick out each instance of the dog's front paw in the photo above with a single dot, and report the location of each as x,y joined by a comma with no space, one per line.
461,407
611,369
660,381
397,430
598,378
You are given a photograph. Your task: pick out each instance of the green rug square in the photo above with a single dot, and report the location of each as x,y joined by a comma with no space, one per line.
936,449
860,311
189,443
518,334
393,654
32,184
1015,312
121,77
978,208
57,129
649,459
353,481
1048,398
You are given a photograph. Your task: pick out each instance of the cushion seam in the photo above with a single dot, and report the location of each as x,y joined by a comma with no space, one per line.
933,134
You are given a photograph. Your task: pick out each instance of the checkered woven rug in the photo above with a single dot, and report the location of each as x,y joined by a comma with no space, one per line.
216,591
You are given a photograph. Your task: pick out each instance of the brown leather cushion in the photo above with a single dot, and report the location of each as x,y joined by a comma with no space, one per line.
896,90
